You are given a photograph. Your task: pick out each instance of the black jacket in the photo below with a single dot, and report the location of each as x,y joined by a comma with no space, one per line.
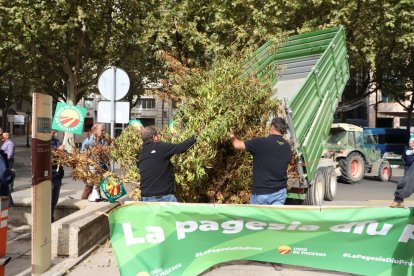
408,159
155,166
6,174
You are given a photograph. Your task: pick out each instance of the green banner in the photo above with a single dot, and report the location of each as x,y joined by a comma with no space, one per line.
69,118
186,239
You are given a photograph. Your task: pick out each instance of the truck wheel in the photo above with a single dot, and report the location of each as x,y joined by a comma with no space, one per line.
352,168
385,172
315,193
330,183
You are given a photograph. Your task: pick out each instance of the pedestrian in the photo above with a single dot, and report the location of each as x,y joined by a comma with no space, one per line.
6,177
96,138
408,155
57,172
154,164
8,148
405,188
271,157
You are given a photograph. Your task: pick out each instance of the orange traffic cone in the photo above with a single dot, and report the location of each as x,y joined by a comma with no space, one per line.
4,215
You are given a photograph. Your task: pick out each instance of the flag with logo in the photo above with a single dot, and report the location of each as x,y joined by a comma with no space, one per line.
112,188
69,118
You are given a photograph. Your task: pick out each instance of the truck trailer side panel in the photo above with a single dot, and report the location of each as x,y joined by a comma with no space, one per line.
309,71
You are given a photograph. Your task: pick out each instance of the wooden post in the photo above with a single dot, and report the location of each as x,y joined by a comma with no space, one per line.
41,183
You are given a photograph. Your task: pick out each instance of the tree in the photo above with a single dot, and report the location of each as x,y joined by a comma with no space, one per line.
380,45
14,68
394,68
71,43
14,88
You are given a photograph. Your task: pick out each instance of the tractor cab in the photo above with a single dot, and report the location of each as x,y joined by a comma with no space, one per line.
355,153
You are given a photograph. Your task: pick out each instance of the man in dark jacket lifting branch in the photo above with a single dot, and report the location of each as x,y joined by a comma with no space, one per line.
156,170
271,157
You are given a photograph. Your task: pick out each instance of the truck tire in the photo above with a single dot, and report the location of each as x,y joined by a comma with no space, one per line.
330,183
316,192
352,168
385,172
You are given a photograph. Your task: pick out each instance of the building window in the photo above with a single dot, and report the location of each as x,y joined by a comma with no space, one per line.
19,105
146,104
87,124
387,98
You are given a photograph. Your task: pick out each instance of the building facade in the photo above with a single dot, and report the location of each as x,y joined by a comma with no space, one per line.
18,118
151,109
384,112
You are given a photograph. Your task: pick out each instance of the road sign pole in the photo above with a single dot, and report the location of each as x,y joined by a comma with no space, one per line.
113,115
113,102
113,84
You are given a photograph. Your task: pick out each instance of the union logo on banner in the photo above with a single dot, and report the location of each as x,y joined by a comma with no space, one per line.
69,118
112,189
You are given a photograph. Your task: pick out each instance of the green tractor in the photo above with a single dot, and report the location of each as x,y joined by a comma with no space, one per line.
355,154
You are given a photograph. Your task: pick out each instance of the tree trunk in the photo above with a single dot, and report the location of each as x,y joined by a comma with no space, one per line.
69,138
4,119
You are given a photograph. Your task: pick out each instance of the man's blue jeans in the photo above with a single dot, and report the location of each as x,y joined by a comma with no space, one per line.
277,198
163,198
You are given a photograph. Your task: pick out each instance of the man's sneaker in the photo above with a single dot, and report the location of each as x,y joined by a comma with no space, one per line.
397,205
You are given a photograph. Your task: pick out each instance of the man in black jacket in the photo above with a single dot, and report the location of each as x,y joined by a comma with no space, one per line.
271,158
408,156
157,178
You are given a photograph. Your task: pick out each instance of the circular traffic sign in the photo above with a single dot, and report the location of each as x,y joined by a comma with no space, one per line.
113,78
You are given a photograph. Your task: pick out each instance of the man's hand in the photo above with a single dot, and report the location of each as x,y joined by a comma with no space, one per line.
231,134
237,144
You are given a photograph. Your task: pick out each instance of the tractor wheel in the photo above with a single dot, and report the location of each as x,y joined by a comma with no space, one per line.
352,168
330,183
385,172
315,193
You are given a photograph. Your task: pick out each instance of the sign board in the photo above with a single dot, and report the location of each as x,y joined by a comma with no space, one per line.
69,118
105,112
186,239
18,119
113,79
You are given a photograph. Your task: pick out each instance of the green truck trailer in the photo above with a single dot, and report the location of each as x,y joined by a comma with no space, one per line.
312,73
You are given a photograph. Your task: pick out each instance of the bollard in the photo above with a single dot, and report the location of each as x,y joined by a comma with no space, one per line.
4,215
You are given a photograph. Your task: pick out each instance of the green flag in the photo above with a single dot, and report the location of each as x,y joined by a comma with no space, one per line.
136,123
112,188
69,118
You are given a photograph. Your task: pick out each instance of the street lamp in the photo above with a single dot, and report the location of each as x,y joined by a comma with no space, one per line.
27,128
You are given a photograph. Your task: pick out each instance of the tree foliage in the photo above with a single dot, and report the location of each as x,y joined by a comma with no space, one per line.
71,42
394,68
